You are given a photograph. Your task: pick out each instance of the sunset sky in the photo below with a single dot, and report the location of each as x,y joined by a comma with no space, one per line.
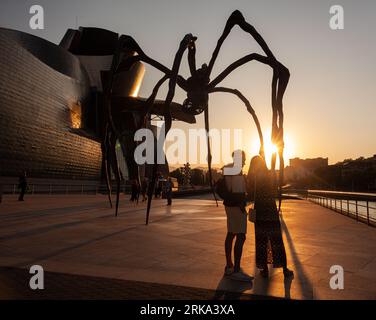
329,105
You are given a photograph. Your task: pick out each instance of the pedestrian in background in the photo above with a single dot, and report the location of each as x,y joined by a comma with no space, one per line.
22,185
135,190
144,188
168,191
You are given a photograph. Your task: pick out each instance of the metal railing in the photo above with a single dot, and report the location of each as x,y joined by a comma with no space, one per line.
356,205
51,189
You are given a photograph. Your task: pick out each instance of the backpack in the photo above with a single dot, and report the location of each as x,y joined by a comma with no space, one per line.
229,198
221,188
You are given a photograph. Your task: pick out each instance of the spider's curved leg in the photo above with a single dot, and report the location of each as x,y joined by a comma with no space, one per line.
192,58
115,169
187,41
280,80
250,110
107,163
151,186
206,115
150,101
131,44
236,18
174,76
279,84
282,85
274,133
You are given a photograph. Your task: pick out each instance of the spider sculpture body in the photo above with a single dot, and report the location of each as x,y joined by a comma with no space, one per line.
198,87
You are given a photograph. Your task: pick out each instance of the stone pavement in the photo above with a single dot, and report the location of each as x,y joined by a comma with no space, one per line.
86,249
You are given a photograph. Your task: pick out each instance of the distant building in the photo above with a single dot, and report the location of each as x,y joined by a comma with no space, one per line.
300,168
359,174
349,175
309,164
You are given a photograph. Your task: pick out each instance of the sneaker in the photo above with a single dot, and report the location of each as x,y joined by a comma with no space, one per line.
240,276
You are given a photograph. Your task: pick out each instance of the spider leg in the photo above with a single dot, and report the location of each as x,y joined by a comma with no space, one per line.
115,169
236,18
192,58
206,114
250,110
282,85
151,99
187,40
131,44
107,164
279,83
274,133
240,62
152,181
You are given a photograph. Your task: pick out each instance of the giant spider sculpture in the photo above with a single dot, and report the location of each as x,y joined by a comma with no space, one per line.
198,87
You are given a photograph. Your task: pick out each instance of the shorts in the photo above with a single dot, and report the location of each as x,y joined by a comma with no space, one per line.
236,220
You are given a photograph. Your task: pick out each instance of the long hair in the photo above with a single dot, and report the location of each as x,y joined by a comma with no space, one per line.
257,171
257,166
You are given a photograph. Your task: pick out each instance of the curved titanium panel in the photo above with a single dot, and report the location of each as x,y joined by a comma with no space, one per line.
39,84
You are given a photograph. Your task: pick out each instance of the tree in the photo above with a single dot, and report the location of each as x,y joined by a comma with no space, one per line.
177,173
197,177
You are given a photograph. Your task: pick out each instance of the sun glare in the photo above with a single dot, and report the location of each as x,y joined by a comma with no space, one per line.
270,148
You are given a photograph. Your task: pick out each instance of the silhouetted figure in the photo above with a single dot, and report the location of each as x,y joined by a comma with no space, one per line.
22,185
158,187
168,191
235,202
269,243
144,188
135,190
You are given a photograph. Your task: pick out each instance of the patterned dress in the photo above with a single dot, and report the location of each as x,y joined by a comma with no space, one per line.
269,243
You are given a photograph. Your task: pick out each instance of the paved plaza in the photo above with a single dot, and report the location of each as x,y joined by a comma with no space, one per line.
87,252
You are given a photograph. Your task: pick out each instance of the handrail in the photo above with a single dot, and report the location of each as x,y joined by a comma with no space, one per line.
60,188
345,195
79,188
356,205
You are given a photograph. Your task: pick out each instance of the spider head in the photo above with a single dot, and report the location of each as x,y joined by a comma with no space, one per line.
197,95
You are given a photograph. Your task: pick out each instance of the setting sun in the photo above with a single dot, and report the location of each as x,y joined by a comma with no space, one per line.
270,148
